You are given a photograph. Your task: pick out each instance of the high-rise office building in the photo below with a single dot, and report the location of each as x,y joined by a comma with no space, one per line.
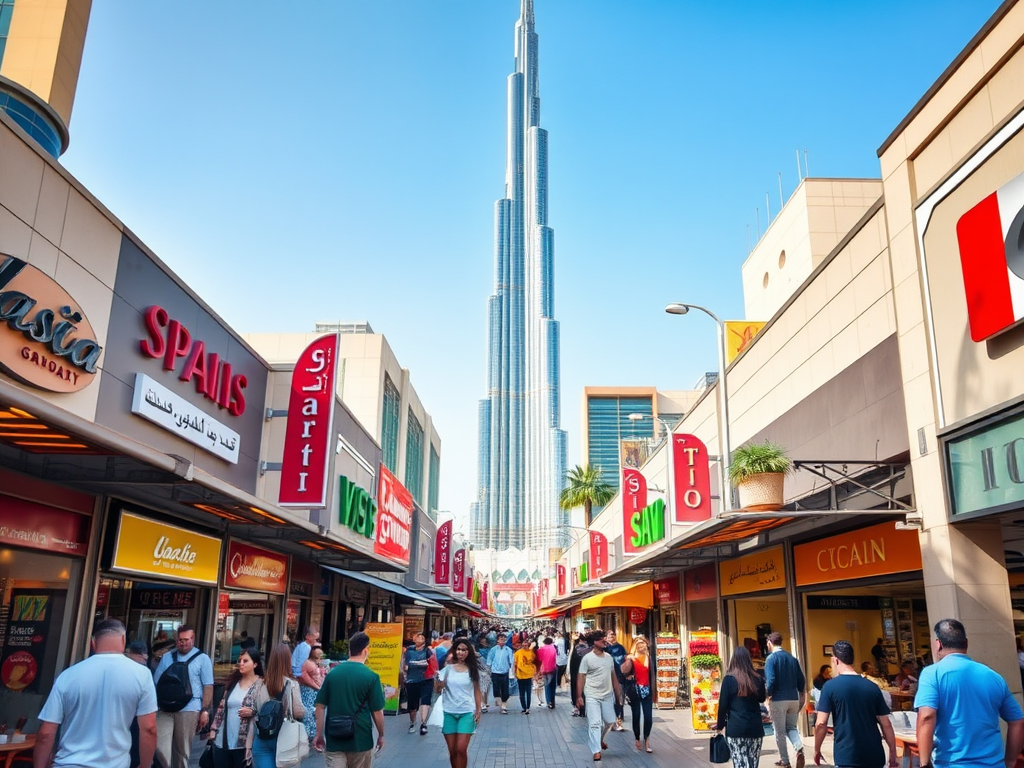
522,447
41,44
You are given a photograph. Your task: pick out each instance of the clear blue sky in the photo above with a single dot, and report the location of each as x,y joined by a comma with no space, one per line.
340,160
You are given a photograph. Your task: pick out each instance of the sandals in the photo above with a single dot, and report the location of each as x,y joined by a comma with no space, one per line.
597,757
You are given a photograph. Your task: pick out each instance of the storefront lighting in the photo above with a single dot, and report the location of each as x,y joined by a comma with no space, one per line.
220,513
267,515
312,545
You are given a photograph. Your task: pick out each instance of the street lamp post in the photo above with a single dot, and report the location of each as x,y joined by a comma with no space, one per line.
723,401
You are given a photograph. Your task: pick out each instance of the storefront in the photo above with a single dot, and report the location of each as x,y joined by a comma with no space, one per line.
667,606
157,576
753,589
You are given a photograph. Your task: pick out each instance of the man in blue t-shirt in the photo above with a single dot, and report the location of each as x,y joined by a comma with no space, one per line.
959,702
858,711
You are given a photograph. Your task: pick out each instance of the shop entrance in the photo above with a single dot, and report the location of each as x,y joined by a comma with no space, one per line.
754,618
247,623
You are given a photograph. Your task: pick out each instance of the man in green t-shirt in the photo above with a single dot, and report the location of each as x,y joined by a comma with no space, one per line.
351,689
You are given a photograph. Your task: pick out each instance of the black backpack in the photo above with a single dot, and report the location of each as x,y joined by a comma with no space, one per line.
174,688
270,718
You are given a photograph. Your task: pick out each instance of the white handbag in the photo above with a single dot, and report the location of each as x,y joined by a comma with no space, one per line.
292,741
436,718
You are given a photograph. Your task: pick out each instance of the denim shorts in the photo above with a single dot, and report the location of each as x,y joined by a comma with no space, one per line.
461,723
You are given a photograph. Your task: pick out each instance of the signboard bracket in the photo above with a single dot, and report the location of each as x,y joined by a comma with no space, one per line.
270,466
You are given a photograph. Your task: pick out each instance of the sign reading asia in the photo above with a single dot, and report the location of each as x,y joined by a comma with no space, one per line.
394,518
308,444
48,342
256,568
643,523
442,554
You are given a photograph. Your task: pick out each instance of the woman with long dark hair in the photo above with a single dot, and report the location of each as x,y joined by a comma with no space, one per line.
278,683
739,710
230,730
461,698
637,668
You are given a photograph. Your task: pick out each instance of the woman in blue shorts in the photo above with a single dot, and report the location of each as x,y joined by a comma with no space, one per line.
459,686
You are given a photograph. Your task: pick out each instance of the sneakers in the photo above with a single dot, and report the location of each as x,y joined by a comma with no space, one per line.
504,711
423,730
483,708
412,727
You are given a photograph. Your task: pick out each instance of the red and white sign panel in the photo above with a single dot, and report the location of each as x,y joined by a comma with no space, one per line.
634,499
598,555
560,579
458,571
307,438
692,478
442,554
394,519
991,240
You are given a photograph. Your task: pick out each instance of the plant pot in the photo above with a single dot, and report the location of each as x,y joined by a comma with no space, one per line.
762,493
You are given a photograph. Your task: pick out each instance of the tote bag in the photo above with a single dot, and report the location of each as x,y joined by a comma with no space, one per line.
719,750
292,742
436,718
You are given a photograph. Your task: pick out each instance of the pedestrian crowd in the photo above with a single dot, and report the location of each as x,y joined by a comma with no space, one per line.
272,711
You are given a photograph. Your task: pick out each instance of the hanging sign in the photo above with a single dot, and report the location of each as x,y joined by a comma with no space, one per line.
560,579
598,554
442,554
666,591
458,571
394,518
484,595
634,499
692,479
308,435
637,615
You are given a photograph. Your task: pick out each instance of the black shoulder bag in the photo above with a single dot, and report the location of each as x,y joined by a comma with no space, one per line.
343,727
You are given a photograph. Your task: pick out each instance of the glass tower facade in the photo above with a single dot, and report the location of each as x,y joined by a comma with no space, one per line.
521,459
608,424
390,425
414,458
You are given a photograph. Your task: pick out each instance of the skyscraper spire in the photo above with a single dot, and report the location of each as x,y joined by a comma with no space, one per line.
521,455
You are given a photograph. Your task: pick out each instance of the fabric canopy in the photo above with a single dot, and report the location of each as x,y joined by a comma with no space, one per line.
639,595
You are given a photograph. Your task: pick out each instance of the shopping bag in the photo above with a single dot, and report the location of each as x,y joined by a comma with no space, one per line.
292,740
719,749
436,718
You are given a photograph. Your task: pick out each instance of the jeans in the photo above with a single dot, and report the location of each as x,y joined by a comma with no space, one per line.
550,682
645,705
784,717
264,752
600,717
525,691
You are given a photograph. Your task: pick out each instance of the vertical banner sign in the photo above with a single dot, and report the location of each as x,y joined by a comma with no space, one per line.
634,499
484,596
442,553
468,579
692,478
458,571
25,643
560,579
307,438
394,519
598,555
386,660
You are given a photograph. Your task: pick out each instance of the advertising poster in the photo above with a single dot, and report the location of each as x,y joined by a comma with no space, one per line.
25,641
705,678
386,660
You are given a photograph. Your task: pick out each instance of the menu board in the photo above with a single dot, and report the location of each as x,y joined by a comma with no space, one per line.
28,626
705,679
668,653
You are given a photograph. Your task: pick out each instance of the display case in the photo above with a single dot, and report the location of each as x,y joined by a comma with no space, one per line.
705,678
668,655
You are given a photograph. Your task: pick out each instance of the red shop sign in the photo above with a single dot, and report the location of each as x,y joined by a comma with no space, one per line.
634,499
598,554
458,570
700,583
35,526
256,568
692,479
442,554
307,439
394,518
560,579
666,591
637,615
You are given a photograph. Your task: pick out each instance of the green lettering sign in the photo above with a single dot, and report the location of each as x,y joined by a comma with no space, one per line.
648,524
582,573
356,509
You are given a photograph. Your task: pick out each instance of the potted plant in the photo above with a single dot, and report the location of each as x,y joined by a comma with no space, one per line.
758,471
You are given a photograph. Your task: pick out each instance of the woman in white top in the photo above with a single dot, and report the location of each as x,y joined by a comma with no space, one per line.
234,714
561,658
459,686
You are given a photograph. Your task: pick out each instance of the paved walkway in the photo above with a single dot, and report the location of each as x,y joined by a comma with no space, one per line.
552,739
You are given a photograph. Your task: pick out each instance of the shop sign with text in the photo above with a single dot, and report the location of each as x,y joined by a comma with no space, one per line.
308,438
560,579
875,551
986,468
157,549
45,338
458,570
27,524
394,518
692,479
386,660
758,572
598,554
256,568
666,591
634,499
156,403
168,339
699,583
647,526
356,510
442,554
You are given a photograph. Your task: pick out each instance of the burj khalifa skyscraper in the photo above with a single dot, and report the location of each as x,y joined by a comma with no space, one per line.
521,444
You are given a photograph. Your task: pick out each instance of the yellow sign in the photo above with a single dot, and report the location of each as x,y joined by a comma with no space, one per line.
738,335
759,572
386,659
157,549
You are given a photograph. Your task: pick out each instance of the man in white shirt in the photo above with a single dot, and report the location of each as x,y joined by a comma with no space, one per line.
93,704
302,651
600,690
177,727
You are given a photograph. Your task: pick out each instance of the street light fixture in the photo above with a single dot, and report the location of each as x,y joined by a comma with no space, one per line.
723,400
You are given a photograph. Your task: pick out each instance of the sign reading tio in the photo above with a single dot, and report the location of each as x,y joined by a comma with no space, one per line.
692,479
307,439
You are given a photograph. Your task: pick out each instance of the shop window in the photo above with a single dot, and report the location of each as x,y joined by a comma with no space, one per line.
243,621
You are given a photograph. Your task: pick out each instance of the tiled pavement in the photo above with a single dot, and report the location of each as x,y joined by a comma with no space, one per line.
552,739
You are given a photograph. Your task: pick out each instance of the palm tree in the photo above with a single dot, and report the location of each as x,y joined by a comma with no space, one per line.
585,488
